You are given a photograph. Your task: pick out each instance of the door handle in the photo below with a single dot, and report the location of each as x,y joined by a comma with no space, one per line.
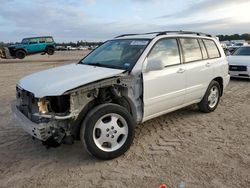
181,70
208,64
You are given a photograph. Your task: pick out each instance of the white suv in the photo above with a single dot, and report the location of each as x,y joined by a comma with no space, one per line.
125,81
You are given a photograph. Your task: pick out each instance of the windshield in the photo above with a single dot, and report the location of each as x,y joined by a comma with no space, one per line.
242,51
25,41
118,54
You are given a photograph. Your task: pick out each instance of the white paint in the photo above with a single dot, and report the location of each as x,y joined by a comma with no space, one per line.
240,61
56,81
177,86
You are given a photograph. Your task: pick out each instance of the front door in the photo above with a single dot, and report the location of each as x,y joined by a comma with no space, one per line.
164,90
33,46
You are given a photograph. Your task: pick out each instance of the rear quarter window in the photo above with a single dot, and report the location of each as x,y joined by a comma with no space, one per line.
49,39
191,49
212,49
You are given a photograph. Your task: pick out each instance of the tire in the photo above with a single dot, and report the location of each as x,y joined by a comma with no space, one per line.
50,51
107,131
20,54
211,98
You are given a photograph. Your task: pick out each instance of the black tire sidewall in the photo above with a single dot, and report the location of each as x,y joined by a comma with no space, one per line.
86,132
20,54
212,84
50,51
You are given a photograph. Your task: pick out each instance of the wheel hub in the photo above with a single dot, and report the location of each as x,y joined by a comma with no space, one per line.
213,97
110,132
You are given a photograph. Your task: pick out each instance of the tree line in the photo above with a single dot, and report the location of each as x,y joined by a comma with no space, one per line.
79,43
245,36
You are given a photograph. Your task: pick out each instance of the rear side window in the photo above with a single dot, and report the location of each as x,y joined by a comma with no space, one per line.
166,50
42,40
203,49
191,49
212,49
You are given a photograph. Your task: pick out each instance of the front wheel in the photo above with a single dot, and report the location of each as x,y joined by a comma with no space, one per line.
20,54
211,98
107,131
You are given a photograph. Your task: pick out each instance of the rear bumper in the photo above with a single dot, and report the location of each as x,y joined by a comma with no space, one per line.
39,131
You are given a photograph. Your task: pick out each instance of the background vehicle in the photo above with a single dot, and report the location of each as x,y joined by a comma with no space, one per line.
71,48
127,80
33,45
61,48
239,62
82,48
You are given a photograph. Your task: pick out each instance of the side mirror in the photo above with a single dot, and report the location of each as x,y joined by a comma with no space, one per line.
154,64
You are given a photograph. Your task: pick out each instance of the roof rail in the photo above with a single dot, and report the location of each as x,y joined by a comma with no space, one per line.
184,32
124,35
167,32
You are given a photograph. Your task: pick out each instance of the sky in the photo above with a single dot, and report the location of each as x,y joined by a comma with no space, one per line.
99,20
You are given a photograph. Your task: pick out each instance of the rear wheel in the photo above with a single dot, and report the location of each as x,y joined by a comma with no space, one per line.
50,51
20,54
211,99
107,131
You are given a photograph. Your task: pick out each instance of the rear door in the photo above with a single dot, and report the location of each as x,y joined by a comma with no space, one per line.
199,68
164,90
42,44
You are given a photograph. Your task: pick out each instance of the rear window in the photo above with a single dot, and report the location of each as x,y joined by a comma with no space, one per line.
212,49
191,49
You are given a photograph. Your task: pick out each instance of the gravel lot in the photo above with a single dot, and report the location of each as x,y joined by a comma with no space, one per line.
202,150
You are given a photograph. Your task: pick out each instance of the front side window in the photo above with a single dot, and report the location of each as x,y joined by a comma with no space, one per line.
25,41
191,49
212,49
119,54
242,51
167,51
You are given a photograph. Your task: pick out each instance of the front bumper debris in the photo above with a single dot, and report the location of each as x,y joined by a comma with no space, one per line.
39,131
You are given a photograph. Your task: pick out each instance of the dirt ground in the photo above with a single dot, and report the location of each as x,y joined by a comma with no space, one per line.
201,150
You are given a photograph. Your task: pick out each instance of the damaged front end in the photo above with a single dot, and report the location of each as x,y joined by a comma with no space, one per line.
46,118
57,119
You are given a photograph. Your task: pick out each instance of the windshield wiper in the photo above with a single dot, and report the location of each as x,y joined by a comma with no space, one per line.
103,65
95,64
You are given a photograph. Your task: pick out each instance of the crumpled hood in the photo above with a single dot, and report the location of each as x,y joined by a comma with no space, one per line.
56,81
239,60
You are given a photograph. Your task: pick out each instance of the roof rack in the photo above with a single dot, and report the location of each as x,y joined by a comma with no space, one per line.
167,32
124,35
